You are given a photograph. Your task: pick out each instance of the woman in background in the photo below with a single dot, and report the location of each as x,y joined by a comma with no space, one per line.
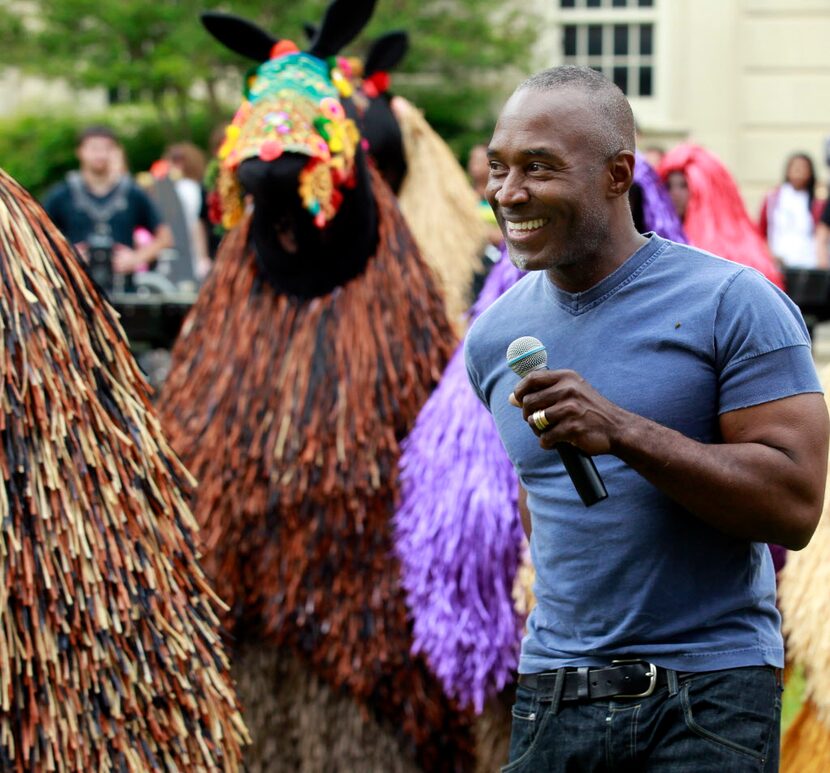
790,213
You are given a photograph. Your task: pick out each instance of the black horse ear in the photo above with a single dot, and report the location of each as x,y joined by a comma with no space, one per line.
239,35
386,53
310,30
342,23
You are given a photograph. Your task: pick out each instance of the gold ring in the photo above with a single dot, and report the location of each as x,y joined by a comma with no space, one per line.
540,419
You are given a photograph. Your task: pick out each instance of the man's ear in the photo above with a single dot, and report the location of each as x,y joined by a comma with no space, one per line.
621,173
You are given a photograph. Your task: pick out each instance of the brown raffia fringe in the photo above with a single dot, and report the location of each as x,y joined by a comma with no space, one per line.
289,414
806,744
110,657
441,209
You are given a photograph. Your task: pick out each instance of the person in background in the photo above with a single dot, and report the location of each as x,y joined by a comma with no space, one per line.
823,237
478,170
654,155
187,170
710,206
678,190
98,208
789,215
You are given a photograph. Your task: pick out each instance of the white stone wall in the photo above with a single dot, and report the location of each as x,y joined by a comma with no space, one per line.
749,79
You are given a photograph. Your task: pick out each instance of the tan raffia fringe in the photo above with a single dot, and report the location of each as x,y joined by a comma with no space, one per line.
109,650
804,598
289,414
302,725
806,744
524,598
441,209
493,728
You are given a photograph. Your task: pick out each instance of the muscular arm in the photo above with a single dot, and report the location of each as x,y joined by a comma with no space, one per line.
764,483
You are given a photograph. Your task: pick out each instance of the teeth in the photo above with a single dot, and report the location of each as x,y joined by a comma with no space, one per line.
526,225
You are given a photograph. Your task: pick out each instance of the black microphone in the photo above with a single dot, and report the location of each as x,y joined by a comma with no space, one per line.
525,355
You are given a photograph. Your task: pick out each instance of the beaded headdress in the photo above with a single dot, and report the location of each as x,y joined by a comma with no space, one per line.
292,105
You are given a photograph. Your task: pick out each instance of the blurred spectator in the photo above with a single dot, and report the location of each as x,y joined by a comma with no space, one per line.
654,155
187,171
478,167
789,215
478,170
678,190
708,201
99,206
823,237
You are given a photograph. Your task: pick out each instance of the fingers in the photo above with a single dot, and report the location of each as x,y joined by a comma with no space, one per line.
540,380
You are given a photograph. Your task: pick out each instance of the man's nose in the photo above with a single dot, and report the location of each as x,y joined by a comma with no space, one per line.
512,191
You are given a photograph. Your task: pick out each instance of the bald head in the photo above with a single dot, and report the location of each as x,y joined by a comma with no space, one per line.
613,129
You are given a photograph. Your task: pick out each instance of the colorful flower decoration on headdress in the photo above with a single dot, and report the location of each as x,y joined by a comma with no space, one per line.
292,105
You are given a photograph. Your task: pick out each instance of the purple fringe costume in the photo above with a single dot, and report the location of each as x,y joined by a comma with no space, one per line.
457,529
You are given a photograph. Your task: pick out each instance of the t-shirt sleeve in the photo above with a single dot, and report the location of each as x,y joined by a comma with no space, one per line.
472,373
146,211
762,348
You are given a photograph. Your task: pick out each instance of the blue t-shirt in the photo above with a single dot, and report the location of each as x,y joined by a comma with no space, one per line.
678,336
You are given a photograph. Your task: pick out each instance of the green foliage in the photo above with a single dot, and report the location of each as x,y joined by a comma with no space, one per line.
157,52
39,150
793,697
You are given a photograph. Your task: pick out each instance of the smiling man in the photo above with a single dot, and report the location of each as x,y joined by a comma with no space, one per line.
655,644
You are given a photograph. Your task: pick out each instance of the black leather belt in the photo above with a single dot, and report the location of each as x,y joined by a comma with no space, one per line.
632,679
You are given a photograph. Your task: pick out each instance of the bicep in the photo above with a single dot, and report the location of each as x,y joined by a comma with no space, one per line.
796,426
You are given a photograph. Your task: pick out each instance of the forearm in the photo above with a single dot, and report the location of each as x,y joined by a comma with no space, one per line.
149,253
822,247
749,490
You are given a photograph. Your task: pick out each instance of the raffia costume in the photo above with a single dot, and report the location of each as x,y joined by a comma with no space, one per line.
289,411
803,584
109,650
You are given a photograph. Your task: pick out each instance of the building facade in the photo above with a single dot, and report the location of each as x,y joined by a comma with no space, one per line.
748,79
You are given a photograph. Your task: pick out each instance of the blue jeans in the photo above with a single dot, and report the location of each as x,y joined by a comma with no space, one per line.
716,722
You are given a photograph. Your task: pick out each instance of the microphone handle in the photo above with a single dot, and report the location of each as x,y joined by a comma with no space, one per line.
583,472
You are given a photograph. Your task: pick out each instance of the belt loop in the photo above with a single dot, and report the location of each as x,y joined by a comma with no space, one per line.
558,687
582,691
671,681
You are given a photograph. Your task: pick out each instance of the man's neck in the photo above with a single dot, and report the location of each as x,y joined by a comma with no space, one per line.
583,275
98,184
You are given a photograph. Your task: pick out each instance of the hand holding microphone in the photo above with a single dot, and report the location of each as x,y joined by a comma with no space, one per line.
524,356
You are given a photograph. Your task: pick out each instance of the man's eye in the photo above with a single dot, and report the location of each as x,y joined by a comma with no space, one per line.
496,168
535,167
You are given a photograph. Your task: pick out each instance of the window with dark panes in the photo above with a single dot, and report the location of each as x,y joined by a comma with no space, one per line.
614,37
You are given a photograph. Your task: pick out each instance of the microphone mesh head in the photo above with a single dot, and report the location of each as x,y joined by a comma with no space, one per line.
526,354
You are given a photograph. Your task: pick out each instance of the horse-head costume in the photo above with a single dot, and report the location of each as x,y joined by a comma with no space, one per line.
304,362
434,195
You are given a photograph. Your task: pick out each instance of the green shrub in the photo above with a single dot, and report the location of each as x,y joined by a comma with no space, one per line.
38,150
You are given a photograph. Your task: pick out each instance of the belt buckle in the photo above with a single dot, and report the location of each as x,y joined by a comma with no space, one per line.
651,674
